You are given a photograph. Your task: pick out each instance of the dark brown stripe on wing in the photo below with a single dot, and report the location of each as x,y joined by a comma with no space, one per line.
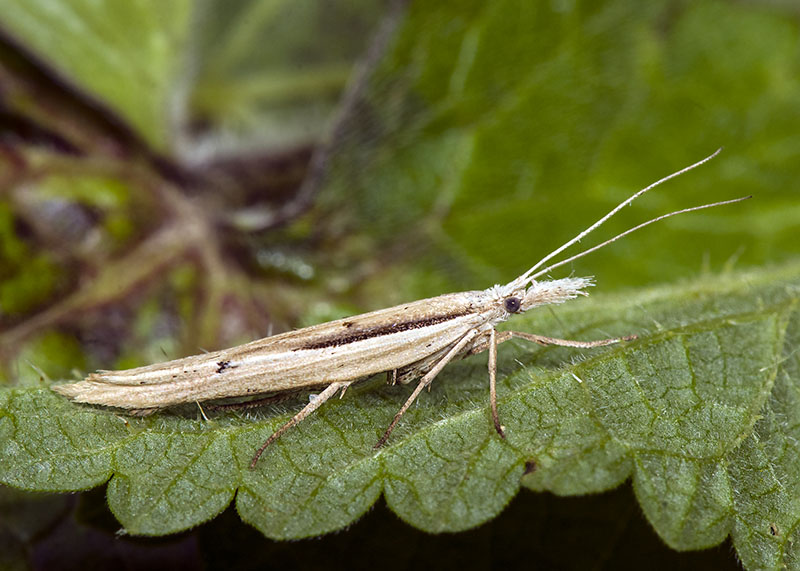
353,335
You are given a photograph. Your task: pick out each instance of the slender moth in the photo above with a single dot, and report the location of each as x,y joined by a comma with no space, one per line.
409,341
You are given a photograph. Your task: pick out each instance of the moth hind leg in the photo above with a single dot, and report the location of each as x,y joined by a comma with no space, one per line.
502,336
313,405
542,340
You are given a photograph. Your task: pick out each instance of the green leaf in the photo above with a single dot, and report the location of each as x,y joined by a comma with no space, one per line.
694,412
172,478
50,446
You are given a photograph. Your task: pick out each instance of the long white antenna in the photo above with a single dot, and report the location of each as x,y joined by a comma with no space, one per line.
630,230
524,278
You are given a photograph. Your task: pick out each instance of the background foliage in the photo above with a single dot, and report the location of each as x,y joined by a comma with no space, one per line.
190,175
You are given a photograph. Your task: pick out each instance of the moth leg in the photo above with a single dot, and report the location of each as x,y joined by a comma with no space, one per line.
504,336
496,338
426,380
142,411
542,340
313,405
493,381
417,370
202,412
253,403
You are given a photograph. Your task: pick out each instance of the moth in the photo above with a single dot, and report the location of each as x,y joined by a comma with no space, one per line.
410,341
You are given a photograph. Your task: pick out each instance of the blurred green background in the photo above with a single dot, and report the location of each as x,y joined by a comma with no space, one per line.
194,174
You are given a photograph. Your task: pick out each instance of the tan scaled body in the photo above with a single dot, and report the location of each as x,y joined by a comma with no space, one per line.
409,341
337,351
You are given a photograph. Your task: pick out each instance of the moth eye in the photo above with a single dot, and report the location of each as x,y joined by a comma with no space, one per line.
512,304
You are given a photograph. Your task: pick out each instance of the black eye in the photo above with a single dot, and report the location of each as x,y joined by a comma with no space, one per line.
512,304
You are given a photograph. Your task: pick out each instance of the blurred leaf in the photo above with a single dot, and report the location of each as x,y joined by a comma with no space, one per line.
27,277
260,82
128,54
489,134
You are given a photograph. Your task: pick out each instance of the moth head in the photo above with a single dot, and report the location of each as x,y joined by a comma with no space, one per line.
513,304
544,293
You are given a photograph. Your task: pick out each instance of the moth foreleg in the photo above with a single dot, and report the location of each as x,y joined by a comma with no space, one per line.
313,405
496,338
503,336
493,381
542,340
426,380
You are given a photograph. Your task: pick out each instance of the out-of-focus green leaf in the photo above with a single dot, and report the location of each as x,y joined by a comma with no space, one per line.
128,54
262,82
491,133
26,278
